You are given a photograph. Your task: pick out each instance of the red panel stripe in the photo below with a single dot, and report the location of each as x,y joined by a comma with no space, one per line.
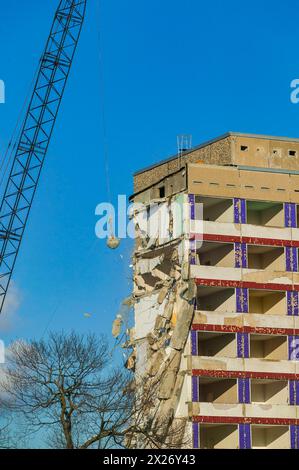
243,374
244,329
244,284
242,420
248,240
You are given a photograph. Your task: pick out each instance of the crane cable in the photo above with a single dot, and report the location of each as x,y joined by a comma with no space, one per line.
112,242
103,107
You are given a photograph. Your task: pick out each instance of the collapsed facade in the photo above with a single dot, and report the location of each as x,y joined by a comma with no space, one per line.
216,287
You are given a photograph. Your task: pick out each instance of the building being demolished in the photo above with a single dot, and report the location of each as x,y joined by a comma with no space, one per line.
216,282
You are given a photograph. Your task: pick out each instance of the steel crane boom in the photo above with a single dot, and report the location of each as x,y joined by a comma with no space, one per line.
36,132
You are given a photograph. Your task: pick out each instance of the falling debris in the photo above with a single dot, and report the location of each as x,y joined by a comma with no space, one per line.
116,327
87,315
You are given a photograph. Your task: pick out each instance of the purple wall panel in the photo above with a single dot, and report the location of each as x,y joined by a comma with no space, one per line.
244,436
294,430
244,390
243,345
196,436
292,303
290,214
192,206
293,348
240,255
195,389
291,259
242,300
294,392
239,211
194,343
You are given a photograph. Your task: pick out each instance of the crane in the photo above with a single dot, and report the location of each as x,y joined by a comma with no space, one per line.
36,131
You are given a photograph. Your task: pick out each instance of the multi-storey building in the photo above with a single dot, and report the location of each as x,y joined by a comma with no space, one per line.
216,291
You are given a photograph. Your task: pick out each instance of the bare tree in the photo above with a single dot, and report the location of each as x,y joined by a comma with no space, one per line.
5,434
69,386
11,436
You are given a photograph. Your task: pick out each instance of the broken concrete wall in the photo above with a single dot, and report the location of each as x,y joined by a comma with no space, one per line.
164,302
160,222
163,316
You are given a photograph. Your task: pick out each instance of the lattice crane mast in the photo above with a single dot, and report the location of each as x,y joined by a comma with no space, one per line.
36,132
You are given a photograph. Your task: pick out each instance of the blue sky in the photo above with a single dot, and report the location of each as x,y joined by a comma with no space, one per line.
168,67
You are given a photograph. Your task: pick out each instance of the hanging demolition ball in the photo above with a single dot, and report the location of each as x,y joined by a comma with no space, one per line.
113,242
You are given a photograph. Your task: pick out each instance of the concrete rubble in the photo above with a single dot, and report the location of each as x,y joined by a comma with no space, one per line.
164,299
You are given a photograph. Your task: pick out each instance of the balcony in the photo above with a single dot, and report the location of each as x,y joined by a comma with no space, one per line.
216,299
216,209
270,437
267,214
219,436
216,254
267,302
268,392
213,390
217,344
272,348
266,257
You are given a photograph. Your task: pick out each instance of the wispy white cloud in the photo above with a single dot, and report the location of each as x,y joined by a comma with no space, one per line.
9,317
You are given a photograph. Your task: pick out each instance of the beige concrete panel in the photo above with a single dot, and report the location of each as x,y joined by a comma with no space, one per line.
264,365
217,409
279,156
261,276
219,228
212,272
294,188
270,410
255,154
252,320
213,180
269,321
217,181
264,186
250,365
266,232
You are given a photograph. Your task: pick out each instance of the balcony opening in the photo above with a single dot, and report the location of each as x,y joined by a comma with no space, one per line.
214,390
292,153
219,436
270,347
216,209
217,344
270,437
212,299
267,302
216,254
267,214
266,391
266,257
